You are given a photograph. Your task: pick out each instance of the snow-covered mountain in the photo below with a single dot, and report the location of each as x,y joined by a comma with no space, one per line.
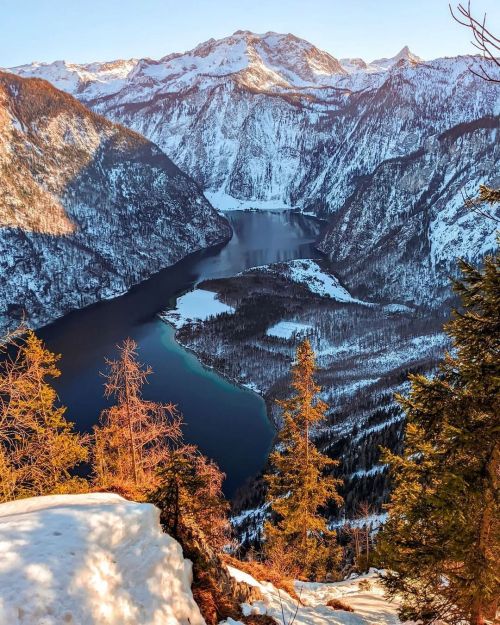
264,61
403,244
87,207
353,65
272,121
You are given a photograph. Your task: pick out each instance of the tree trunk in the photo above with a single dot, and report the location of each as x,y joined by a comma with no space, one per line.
131,432
485,532
477,614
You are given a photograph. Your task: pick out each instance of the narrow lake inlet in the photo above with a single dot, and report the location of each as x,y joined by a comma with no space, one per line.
227,422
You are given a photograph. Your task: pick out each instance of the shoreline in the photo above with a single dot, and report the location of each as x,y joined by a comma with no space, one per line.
46,325
213,369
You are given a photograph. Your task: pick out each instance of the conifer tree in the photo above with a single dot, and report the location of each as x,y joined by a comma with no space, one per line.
297,537
190,498
135,434
194,511
442,540
38,447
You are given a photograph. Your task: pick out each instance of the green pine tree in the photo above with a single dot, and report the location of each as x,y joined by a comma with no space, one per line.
190,498
441,543
194,511
297,538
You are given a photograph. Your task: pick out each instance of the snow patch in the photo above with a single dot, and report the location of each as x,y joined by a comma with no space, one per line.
288,329
310,274
197,305
370,606
93,559
224,202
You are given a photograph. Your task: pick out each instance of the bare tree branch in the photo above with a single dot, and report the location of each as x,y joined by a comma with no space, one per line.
484,40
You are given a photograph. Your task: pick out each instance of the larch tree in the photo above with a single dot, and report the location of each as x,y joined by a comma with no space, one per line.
359,532
297,538
38,447
135,435
441,544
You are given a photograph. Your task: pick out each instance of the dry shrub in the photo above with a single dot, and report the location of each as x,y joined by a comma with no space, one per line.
264,573
365,585
215,604
337,604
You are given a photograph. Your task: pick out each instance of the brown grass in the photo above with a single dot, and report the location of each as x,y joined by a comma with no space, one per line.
337,604
264,573
215,605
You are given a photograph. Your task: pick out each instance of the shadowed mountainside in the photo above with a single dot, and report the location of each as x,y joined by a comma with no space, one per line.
87,207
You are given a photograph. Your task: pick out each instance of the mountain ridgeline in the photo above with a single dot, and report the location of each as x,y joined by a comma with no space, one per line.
271,121
87,207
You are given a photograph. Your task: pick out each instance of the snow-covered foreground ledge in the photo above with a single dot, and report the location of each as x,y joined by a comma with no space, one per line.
363,594
93,559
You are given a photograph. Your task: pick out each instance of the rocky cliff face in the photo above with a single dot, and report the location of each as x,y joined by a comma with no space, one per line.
404,244
87,207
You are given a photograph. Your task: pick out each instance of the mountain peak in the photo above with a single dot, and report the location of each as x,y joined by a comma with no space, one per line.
265,61
405,54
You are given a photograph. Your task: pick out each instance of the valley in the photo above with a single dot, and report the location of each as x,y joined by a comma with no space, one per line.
229,423
249,313
166,153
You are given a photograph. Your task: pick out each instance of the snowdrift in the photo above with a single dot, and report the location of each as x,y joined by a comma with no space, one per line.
93,559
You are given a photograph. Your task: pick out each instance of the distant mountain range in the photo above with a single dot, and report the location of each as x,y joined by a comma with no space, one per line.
383,150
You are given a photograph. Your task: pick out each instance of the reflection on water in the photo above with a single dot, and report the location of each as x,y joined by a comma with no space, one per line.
260,239
228,423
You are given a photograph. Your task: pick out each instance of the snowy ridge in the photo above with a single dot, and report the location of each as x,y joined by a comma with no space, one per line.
249,116
87,208
93,559
96,79
357,65
308,273
317,281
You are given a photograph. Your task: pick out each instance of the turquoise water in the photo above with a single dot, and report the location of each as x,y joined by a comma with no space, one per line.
228,423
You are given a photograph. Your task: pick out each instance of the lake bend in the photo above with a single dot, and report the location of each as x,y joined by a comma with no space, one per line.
227,422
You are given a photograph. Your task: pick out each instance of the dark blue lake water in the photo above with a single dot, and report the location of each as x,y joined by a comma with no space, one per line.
228,423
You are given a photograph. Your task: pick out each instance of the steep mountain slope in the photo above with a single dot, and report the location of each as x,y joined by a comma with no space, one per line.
403,245
269,119
87,208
